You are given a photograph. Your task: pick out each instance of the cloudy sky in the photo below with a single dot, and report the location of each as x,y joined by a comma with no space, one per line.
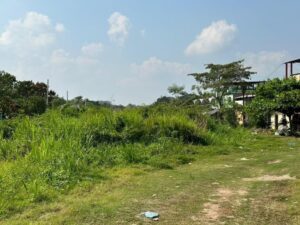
130,51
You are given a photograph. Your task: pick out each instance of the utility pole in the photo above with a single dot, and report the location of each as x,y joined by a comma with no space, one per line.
47,97
67,95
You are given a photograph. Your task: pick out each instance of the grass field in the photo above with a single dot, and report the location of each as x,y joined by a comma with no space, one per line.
251,183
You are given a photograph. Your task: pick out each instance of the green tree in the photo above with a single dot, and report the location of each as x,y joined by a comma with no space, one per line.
8,104
164,100
181,97
288,102
219,78
176,90
259,112
25,97
57,101
7,83
24,89
276,95
40,89
34,105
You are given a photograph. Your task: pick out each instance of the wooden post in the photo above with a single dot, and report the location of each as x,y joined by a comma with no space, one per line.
243,113
47,97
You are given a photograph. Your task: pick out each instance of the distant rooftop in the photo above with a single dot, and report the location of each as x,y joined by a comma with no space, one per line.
293,61
246,82
295,74
290,72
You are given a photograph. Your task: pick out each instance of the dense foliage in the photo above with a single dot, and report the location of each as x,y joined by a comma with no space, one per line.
275,95
213,89
220,77
49,154
22,97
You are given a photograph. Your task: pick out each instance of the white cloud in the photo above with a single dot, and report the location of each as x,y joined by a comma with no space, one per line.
59,27
118,28
28,50
78,73
267,64
61,56
212,38
148,80
33,31
92,49
154,66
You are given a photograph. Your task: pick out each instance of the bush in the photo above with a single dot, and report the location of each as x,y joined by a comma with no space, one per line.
45,155
259,112
229,115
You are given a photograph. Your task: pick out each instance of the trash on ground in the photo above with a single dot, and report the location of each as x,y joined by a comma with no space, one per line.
227,166
244,159
151,215
275,161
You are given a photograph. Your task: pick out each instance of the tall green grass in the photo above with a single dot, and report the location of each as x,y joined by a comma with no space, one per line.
41,157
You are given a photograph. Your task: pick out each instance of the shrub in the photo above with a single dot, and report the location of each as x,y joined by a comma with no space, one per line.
45,155
229,115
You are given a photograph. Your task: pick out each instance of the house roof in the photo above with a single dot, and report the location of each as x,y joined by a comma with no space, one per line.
244,97
245,83
293,61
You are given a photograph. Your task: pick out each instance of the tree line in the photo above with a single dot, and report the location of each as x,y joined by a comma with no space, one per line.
214,86
211,91
23,97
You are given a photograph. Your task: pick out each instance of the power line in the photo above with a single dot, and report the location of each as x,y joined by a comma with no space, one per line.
275,70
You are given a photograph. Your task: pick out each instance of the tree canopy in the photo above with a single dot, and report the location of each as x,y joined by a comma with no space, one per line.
22,97
219,78
275,95
177,90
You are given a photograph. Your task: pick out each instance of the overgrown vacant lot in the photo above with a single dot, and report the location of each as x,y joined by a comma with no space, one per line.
213,175
250,185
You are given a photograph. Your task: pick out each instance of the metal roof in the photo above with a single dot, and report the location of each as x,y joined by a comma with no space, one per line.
293,61
244,97
295,74
243,83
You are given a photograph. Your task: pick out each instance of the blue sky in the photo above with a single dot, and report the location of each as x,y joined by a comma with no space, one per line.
130,51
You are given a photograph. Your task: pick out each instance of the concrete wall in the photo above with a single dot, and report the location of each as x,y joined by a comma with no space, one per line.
297,77
239,117
277,118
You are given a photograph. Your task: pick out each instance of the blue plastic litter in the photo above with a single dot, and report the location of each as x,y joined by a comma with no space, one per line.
151,215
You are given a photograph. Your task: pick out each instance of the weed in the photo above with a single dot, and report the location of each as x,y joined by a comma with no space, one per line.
47,155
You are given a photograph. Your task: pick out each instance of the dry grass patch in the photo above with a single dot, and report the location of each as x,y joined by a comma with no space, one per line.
222,206
271,178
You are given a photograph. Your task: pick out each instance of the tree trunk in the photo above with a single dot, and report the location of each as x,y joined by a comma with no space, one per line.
291,123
